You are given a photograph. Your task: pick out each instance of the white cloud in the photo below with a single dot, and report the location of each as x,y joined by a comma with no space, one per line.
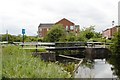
28,14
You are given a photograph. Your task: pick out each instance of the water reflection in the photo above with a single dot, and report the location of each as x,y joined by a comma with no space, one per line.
97,69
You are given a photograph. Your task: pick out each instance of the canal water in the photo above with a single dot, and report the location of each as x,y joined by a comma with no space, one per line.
96,64
108,67
99,68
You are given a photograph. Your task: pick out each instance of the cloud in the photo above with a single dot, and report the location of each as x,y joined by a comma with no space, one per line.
18,14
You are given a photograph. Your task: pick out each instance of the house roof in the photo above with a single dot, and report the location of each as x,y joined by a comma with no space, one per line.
64,19
51,24
46,25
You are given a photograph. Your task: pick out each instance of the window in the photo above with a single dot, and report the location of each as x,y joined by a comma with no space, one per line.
71,27
47,29
66,27
40,29
76,29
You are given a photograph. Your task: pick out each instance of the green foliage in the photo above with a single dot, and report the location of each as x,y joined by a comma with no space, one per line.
32,39
86,33
81,37
18,63
55,34
116,43
71,37
8,37
89,32
97,35
115,61
40,39
69,66
11,38
19,38
89,35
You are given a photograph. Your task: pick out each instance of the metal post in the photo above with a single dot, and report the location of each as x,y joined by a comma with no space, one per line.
36,48
23,38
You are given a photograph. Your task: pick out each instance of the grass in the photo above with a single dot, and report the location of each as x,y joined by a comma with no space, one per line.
18,63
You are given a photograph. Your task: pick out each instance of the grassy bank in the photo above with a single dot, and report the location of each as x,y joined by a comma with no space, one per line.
18,63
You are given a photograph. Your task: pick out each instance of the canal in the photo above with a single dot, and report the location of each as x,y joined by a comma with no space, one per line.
99,68
107,67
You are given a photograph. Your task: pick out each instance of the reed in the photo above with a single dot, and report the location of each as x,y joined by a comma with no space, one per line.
18,63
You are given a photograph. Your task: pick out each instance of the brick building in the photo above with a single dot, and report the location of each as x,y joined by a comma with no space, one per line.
68,26
109,33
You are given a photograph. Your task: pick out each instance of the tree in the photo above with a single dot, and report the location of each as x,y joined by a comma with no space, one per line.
116,43
18,38
115,58
89,35
86,33
97,35
55,33
8,37
70,37
81,36
115,61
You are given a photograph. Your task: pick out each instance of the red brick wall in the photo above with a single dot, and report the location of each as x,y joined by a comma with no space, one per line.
107,33
65,23
114,30
44,31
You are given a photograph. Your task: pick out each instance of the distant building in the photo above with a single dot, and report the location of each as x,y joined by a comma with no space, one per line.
109,33
43,29
68,26
119,13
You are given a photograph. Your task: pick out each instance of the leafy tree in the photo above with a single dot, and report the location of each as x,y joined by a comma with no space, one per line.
116,43
55,33
115,61
89,32
89,35
86,33
97,35
8,37
81,36
18,38
71,37
30,38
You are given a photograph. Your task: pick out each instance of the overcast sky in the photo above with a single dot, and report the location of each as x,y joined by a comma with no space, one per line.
28,14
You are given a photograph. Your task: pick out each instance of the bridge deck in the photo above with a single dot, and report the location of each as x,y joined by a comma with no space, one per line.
64,48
